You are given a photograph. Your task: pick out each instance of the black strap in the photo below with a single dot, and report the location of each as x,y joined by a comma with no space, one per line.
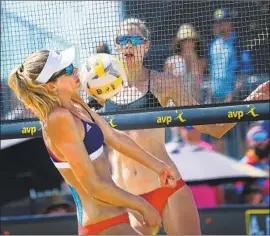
149,80
89,113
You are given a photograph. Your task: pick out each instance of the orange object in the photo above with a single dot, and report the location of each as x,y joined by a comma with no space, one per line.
103,225
159,197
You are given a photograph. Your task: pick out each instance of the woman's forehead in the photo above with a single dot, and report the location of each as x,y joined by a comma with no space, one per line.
130,29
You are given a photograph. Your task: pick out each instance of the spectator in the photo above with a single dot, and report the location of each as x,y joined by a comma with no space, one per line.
258,155
227,58
193,136
186,61
58,205
252,195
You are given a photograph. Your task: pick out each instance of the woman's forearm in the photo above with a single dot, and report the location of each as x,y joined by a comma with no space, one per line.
215,130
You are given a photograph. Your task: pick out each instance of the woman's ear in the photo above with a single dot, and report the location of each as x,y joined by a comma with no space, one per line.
52,87
147,45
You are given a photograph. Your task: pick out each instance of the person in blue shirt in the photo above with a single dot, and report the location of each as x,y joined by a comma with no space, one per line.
227,59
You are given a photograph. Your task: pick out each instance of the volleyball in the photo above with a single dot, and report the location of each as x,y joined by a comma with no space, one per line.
102,76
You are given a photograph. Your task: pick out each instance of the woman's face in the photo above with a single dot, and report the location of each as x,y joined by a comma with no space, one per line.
132,46
222,28
188,44
68,82
254,198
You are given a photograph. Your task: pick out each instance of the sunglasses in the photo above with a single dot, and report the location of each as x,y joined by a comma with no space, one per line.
67,71
260,136
134,39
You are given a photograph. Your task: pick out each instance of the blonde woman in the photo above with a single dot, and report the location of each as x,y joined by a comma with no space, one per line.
143,90
47,83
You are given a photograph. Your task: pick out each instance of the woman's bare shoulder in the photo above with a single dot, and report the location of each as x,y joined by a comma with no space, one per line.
59,115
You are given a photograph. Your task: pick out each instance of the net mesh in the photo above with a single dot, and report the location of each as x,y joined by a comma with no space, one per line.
210,70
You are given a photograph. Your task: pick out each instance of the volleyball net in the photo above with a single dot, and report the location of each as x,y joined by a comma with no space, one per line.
220,73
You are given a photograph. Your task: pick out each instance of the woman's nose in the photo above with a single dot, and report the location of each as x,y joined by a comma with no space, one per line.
129,44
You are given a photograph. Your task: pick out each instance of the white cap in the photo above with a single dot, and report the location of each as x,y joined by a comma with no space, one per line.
187,31
56,62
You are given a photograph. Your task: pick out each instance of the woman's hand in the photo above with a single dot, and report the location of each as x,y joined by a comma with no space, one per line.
166,176
262,92
151,216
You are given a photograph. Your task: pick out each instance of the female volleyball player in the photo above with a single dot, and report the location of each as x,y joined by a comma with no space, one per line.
74,136
145,89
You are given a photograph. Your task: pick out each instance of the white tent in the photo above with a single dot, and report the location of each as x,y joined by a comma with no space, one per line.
198,165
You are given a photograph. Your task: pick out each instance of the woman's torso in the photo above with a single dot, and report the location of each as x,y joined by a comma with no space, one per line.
89,209
129,174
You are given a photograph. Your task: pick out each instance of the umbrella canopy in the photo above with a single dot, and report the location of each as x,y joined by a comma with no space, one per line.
11,142
198,165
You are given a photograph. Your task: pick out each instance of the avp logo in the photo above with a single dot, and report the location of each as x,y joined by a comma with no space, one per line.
29,130
168,119
235,114
240,114
164,119
111,123
180,116
252,111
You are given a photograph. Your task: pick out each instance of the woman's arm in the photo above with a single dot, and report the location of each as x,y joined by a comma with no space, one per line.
70,145
174,88
169,66
175,65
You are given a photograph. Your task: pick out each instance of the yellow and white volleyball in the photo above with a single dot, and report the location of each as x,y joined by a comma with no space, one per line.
102,76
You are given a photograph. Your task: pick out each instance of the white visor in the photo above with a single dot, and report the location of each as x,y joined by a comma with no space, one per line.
55,63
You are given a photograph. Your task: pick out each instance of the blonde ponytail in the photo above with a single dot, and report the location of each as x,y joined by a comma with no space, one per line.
34,95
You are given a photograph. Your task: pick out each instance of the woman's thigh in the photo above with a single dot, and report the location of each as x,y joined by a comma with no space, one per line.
120,229
180,215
